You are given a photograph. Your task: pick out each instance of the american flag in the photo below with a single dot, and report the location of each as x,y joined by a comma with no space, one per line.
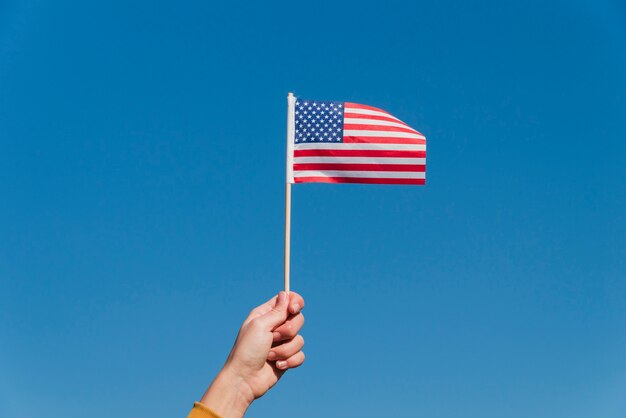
342,142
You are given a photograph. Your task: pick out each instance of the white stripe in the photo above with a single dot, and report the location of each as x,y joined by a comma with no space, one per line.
361,174
369,112
360,160
361,146
384,134
375,122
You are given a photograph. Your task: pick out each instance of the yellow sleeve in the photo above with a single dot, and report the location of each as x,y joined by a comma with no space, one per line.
202,411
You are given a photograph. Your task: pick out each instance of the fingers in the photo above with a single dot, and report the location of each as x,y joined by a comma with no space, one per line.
292,362
290,328
276,315
296,303
286,349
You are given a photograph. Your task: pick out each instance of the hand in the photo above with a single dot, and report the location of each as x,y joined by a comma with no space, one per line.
267,345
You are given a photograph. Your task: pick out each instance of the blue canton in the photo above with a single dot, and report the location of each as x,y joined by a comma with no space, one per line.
319,121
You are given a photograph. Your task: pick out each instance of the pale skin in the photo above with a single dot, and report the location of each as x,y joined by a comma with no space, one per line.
268,344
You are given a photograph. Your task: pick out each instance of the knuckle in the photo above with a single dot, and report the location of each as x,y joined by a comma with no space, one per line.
289,331
299,359
255,324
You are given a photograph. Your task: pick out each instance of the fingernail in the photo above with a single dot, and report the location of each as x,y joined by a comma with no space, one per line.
281,364
276,335
271,355
295,307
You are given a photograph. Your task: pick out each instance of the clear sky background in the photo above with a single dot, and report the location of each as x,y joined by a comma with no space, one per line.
142,150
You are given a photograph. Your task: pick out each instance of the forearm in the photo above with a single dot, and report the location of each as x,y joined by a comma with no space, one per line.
228,395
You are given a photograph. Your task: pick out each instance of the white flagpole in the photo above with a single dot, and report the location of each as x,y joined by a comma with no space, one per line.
291,104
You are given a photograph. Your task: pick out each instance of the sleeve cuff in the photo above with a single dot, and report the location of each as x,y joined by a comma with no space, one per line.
202,411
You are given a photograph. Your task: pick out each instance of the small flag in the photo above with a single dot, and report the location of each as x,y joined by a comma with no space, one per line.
342,142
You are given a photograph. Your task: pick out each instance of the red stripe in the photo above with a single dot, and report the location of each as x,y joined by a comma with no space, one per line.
357,153
360,167
381,140
347,114
358,180
349,105
380,128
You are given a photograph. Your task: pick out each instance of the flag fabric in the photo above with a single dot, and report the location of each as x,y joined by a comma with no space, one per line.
343,142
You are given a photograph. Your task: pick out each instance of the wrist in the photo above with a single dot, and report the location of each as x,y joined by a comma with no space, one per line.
228,395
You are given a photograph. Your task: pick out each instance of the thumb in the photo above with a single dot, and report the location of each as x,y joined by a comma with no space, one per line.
277,315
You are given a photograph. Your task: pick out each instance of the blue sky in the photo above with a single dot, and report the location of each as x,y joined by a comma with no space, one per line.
141,206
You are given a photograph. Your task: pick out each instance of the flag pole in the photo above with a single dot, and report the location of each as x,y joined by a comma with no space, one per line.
287,232
291,104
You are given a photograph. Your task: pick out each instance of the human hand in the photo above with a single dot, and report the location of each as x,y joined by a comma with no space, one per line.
268,344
